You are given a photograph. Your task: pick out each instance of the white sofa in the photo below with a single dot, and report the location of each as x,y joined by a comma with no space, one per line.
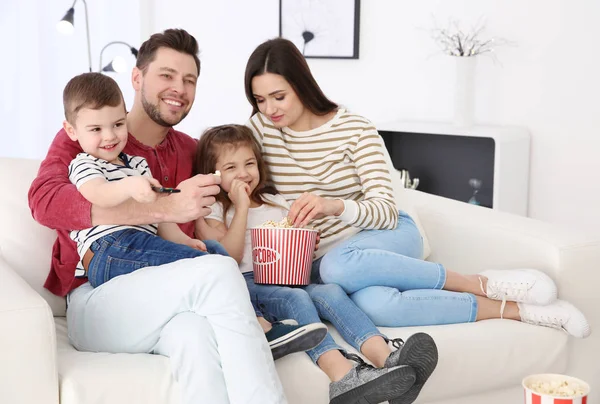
479,363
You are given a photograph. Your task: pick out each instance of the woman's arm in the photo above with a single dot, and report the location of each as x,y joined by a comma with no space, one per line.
378,208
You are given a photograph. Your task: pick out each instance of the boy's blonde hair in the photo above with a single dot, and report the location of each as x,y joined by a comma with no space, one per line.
90,90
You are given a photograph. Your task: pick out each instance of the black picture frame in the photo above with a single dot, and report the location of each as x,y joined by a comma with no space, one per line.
307,12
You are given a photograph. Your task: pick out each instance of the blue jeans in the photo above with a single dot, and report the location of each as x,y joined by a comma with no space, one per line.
309,304
125,251
384,275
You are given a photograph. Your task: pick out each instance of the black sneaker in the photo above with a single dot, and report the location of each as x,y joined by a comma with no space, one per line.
364,384
420,352
285,339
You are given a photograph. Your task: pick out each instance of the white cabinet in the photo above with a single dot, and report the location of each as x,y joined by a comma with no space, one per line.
444,157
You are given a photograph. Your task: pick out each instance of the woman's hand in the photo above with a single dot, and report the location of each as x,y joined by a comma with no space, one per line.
239,194
310,206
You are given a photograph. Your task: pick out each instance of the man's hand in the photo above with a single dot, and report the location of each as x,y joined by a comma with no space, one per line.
196,244
194,200
140,188
240,194
310,206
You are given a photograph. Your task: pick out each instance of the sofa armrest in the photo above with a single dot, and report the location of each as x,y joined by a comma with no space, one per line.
469,238
28,367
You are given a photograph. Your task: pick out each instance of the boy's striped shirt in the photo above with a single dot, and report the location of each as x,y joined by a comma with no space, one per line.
85,167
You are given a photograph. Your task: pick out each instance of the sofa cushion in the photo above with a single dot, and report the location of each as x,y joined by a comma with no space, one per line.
474,358
405,204
25,244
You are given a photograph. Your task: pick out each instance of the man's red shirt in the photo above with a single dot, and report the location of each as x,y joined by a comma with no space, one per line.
56,203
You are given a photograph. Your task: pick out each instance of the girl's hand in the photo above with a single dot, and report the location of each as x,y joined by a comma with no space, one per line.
318,241
310,206
196,244
239,194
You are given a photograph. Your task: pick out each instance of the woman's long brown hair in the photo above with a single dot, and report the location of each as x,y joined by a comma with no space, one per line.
213,141
280,56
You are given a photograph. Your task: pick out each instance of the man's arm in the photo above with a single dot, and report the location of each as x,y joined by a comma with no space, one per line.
54,201
191,203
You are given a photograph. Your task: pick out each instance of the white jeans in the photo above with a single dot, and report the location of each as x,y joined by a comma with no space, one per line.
195,311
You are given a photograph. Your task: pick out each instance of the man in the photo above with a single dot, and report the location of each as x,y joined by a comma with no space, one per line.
183,310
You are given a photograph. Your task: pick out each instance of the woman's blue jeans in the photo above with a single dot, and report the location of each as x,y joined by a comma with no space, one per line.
126,251
384,275
309,304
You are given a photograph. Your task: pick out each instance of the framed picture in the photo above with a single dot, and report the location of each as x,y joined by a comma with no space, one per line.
327,29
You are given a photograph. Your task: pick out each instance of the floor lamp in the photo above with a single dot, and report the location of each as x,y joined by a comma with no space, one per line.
118,64
66,26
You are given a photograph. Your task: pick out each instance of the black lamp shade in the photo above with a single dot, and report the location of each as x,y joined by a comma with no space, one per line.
69,16
108,68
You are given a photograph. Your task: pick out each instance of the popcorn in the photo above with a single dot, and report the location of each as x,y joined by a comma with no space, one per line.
282,224
557,388
217,173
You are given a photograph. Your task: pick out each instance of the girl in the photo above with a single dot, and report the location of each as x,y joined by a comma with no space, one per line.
329,163
246,201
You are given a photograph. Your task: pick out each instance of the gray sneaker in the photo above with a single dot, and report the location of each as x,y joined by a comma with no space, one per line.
364,384
419,352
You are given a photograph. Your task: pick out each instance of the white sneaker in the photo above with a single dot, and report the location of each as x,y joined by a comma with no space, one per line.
560,315
520,285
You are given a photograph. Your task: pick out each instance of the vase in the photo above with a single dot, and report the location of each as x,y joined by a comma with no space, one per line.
464,90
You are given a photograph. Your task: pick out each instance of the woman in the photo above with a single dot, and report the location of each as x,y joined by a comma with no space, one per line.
329,164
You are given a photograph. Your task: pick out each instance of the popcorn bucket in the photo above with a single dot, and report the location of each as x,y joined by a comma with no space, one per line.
282,256
555,389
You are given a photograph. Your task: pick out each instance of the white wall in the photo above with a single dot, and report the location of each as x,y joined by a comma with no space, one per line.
548,83
37,62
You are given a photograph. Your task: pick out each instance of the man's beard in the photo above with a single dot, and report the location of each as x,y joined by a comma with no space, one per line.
153,111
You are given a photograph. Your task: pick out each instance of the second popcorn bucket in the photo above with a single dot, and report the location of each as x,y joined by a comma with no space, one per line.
282,256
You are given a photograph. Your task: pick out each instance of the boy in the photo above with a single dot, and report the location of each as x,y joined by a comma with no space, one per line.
95,116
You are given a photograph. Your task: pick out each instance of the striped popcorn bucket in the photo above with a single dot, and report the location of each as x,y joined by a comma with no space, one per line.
536,395
282,256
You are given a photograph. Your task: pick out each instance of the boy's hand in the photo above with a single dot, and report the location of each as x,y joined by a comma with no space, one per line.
239,194
318,241
196,244
140,188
